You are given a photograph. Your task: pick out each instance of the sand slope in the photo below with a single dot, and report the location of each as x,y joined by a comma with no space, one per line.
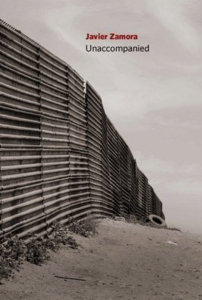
124,261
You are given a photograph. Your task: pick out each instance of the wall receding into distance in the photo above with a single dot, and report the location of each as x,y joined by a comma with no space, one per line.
61,157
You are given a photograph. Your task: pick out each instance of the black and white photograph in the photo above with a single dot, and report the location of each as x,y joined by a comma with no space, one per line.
100,150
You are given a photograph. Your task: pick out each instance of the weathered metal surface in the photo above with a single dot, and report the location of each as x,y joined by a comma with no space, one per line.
61,157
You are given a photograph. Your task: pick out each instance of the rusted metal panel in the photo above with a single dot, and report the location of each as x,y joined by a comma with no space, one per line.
44,165
94,142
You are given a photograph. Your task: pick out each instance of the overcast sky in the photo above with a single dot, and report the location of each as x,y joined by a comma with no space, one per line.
153,98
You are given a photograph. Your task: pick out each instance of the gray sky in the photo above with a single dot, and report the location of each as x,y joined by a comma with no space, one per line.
153,99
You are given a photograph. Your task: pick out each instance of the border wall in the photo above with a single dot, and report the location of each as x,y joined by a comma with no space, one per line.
60,156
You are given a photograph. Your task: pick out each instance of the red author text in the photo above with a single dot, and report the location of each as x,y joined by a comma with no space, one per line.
111,36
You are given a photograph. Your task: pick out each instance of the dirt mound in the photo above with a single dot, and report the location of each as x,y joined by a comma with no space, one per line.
124,261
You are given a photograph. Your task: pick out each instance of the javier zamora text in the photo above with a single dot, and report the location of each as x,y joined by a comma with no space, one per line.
114,37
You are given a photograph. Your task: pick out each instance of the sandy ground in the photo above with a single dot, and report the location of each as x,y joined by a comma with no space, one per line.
124,261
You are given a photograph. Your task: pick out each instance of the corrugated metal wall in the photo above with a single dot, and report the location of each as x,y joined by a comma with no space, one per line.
61,156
